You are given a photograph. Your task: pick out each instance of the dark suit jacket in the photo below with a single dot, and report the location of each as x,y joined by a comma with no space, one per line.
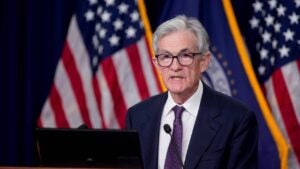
224,135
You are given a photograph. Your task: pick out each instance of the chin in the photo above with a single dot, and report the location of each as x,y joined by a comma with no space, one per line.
176,91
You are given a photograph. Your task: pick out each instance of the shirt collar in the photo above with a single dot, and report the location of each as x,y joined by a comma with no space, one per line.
191,105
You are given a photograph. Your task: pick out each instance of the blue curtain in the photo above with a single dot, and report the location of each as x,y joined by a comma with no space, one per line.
32,34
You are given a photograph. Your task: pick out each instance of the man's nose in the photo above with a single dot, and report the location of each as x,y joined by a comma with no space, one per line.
175,64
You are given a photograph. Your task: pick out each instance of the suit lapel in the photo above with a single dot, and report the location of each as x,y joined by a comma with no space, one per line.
205,128
150,131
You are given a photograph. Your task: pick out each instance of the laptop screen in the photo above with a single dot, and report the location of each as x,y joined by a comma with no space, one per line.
88,148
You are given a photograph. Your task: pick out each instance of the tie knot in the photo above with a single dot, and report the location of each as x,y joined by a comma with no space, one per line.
178,111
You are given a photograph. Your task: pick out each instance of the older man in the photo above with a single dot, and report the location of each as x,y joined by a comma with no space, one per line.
191,126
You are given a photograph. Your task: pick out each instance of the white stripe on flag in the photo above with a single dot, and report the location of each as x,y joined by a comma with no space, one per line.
64,88
81,58
126,76
47,116
147,68
271,97
292,80
107,103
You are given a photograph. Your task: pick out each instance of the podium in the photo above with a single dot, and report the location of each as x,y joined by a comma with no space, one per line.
88,148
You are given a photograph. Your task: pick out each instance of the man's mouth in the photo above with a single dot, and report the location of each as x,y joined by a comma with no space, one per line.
176,77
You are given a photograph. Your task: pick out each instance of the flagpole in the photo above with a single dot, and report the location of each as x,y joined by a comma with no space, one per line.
148,32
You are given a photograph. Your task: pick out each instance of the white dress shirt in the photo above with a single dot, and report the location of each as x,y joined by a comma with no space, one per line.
188,120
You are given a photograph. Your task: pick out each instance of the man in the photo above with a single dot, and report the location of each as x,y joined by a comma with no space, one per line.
209,129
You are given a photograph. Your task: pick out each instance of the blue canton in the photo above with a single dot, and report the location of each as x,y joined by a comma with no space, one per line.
108,26
276,23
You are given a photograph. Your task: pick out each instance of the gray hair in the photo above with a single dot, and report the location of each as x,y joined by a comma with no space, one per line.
182,22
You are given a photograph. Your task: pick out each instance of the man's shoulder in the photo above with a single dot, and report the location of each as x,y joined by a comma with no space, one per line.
230,112
145,110
226,103
150,102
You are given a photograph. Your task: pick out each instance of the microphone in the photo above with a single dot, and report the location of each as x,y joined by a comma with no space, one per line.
168,130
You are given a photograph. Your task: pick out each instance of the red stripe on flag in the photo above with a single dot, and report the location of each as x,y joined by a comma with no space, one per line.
56,104
135,62
39,123
298,63
76,83
263,89
287,111
115,90
98,99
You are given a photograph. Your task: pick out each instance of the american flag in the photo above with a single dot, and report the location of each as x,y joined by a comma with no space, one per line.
275,35
104,69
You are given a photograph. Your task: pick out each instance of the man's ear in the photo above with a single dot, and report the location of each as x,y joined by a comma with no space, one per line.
154,60
205,60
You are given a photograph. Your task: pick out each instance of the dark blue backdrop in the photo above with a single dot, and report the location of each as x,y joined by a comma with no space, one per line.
32,34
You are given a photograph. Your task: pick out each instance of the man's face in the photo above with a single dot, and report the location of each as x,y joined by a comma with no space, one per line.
178,79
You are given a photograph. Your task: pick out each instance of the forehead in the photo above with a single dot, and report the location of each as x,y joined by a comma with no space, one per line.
177,41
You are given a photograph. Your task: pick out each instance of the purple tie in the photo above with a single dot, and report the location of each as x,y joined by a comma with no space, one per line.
173,158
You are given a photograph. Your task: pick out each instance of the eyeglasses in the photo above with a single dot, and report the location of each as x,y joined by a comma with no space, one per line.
184,59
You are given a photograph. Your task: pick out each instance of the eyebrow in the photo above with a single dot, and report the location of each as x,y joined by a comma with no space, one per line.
182,50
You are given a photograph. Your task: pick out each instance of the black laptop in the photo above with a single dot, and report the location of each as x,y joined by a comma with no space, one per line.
88,148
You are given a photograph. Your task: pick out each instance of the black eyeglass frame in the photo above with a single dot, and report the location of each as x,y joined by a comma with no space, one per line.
177,57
